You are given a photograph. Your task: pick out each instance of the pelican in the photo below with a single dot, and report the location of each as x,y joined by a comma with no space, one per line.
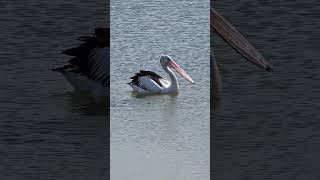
238,42
150,82
88,70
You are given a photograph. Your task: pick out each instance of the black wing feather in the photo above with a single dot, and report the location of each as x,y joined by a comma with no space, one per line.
80,60
152,75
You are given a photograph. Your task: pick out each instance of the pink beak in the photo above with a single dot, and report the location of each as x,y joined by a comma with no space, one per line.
180,71
237,41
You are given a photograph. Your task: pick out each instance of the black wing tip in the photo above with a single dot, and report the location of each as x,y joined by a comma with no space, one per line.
64,68
269,68
84,38
101,31
59,69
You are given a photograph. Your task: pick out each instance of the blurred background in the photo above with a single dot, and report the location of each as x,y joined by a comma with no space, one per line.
46,130
266,125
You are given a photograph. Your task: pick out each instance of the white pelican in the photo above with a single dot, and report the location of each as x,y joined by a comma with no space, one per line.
88,70
150,82
238,42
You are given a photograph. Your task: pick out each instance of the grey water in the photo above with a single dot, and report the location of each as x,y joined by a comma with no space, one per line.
160,136
266,125
46,130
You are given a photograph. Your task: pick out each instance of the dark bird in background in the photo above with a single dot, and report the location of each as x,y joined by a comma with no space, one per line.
88,69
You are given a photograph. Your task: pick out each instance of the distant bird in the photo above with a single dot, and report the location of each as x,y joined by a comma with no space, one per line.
150,82
238,42
88,70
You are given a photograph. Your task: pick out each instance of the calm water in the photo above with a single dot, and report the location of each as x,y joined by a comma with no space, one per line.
160,137
47,131
267,124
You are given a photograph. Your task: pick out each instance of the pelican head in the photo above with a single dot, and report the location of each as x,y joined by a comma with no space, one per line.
167,61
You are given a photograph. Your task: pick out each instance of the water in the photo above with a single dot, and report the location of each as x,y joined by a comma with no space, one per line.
267,124
46,130
160,137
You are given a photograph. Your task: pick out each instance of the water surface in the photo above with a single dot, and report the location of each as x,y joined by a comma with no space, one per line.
267,124
160,137
46,130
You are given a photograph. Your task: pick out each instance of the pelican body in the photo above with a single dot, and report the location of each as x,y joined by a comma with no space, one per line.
150,82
